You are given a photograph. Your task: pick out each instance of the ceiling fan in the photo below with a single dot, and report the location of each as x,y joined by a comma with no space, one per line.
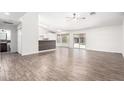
76,16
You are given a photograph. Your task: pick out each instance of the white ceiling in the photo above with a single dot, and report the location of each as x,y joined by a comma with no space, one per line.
12,17
57,21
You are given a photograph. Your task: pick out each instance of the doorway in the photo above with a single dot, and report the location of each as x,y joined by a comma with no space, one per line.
79,40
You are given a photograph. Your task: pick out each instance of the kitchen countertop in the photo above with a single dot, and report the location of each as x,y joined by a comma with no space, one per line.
46,40
4,41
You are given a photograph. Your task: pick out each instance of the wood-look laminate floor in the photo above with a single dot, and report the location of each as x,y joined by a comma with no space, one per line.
62,64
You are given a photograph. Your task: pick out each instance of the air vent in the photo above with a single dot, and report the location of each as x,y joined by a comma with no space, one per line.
7,22
52,32
92,13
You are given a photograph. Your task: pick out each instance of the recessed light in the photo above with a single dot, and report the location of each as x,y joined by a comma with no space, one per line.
7,13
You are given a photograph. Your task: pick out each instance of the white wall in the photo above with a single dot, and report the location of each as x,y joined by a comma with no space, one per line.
51,36
13,44
19,39
46,34
105,39
123,40
29,33
108,39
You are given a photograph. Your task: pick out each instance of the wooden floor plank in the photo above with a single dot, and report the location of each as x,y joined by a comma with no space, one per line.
62,65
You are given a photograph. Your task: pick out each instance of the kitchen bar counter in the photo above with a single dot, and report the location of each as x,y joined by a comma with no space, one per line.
46,44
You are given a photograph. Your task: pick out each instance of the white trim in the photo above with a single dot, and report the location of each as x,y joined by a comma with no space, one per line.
24,54
47,50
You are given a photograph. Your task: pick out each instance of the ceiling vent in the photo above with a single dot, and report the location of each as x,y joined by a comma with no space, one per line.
5,22
92,13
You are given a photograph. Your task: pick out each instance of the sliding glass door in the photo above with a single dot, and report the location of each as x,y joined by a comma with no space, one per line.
76,41
79,40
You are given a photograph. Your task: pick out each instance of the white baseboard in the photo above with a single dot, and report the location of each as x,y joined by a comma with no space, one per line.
24,54
47,50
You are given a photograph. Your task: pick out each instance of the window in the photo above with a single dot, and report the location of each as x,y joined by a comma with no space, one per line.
5,34
64,38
